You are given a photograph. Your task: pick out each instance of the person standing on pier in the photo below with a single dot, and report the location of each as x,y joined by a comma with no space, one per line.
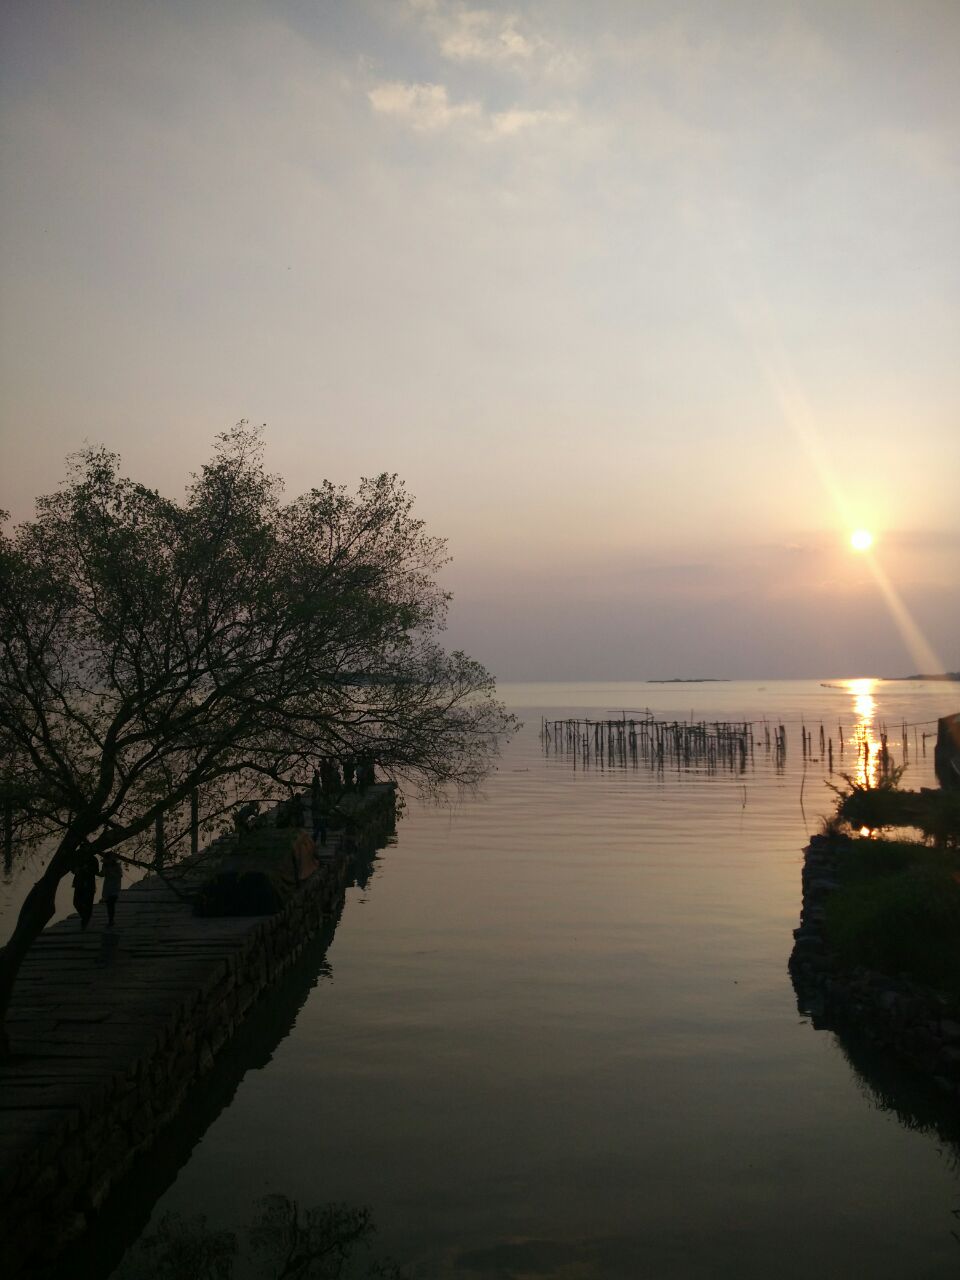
316,809
112,882
85,886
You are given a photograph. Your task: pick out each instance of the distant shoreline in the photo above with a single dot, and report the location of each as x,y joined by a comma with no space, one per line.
946,675
692,680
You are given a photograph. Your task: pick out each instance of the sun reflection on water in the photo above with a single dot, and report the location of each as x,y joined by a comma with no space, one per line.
865,737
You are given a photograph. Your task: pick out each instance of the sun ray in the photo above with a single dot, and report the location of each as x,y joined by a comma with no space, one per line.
759,327
920,650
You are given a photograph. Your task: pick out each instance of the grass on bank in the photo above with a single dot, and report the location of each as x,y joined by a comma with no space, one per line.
897,910
897,907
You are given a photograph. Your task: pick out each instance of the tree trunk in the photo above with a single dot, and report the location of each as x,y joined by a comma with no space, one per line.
36,912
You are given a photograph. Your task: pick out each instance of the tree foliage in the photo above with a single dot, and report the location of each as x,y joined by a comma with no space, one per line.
227,643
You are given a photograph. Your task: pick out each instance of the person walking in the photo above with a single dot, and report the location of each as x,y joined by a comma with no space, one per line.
85,886
112,882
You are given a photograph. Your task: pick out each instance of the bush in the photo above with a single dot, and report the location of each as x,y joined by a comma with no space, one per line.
935,813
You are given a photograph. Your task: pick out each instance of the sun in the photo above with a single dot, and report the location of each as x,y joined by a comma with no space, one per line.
861,539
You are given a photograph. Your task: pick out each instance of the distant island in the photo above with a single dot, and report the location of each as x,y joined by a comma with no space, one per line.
946,675
692,680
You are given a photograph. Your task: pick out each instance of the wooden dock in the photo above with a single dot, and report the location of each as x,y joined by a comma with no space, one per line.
110,1027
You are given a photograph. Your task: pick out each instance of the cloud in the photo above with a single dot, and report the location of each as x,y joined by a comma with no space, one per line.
427,108
424,107
464,34
481,36
505,123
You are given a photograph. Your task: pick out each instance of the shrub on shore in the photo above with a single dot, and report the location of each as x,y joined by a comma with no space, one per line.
936,813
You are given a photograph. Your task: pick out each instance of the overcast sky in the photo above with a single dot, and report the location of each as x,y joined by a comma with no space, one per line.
649,303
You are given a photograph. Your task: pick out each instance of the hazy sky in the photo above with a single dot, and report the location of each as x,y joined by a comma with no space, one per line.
650,303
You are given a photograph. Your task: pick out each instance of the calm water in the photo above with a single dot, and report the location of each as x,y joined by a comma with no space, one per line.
555,1036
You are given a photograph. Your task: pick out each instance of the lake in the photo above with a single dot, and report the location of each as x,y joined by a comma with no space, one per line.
554,1035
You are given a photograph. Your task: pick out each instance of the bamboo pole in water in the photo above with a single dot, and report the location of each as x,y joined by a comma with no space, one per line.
631,742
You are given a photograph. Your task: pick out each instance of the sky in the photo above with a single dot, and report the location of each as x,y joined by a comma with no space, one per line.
650,303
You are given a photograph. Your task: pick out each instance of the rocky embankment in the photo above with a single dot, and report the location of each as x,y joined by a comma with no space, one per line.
917,1024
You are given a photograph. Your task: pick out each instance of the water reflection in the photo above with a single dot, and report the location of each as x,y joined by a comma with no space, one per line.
888,1085
865,738
283,1242
892,1088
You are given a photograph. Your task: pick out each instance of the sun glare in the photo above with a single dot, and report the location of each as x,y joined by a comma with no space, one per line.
861,540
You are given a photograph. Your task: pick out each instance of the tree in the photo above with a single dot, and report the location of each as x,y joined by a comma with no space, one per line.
151,650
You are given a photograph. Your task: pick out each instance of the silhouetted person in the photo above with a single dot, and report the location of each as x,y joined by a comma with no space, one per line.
85,886
112,881
366,774
330,781
316,809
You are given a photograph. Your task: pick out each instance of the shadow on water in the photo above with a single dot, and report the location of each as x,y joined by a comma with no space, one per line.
127,1211
887,1084
891,1087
